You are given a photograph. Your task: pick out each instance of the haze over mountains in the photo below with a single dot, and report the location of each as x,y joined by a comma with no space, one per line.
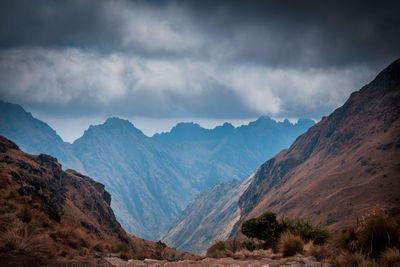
152,179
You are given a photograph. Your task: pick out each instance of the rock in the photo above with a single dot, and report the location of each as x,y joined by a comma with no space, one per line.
150,261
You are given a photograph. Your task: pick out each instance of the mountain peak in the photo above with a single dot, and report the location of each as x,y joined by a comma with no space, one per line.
114,126
389,78
112,121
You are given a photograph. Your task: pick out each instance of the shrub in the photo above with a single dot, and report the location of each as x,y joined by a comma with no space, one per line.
98,247
25,215
156,257
353,259
377,234
124,256
120,247
161,244
218,250
305,229
265,227
290,244
390,257
268,228
23,241
323,253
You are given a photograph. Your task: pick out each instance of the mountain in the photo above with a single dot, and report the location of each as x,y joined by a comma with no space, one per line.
48,213
211,216
147,186
342,168
152,179
34,135
225,152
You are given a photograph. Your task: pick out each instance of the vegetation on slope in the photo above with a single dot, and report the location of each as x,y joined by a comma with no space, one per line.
372,241
46,212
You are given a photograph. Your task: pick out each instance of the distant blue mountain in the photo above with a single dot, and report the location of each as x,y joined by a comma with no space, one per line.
152,179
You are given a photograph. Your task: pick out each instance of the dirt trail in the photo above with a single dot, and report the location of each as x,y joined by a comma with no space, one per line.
223,262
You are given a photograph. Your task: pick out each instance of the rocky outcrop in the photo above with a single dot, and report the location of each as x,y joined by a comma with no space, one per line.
342,167
63,210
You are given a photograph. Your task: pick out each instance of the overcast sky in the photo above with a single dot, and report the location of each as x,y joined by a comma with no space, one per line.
75,63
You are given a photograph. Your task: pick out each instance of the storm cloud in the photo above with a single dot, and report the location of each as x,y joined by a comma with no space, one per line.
208,59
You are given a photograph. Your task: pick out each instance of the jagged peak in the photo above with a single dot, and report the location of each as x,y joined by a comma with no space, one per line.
114,123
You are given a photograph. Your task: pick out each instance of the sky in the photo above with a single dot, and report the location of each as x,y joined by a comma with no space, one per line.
76,63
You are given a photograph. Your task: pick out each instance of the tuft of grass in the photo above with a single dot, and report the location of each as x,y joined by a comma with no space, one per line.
23,241
72,237
323,253
25,214
377,234
390,257
98,247
290,244
124,256
353,259
218,250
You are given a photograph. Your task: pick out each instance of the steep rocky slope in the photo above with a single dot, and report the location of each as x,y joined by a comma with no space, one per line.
48,212
153,179
343,167
211,216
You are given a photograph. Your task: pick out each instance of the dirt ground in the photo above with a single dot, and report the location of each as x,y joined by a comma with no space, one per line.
223,262
24,261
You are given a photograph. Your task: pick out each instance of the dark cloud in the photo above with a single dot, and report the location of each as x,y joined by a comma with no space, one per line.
284,33
216,59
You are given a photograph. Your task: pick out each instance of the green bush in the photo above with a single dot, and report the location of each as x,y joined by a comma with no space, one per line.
305,229
268,228
161,244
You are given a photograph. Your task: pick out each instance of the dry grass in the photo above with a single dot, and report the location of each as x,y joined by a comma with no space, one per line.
290,244
71,236
377,234
219,250
323,253
355,259
23,241
390,257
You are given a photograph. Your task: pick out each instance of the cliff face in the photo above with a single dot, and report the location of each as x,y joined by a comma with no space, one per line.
65,213
342,167
211,216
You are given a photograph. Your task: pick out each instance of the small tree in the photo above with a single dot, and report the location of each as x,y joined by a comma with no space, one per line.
266,227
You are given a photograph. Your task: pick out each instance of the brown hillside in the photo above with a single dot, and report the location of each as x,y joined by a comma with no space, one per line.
50,213
342,168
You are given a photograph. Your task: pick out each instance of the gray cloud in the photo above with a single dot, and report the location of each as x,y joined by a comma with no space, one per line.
79,82
216,59
289,33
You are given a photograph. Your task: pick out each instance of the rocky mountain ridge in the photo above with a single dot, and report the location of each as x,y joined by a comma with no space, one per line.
49,213
341,168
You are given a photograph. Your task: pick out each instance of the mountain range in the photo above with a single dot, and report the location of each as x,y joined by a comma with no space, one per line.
342,169
152,179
